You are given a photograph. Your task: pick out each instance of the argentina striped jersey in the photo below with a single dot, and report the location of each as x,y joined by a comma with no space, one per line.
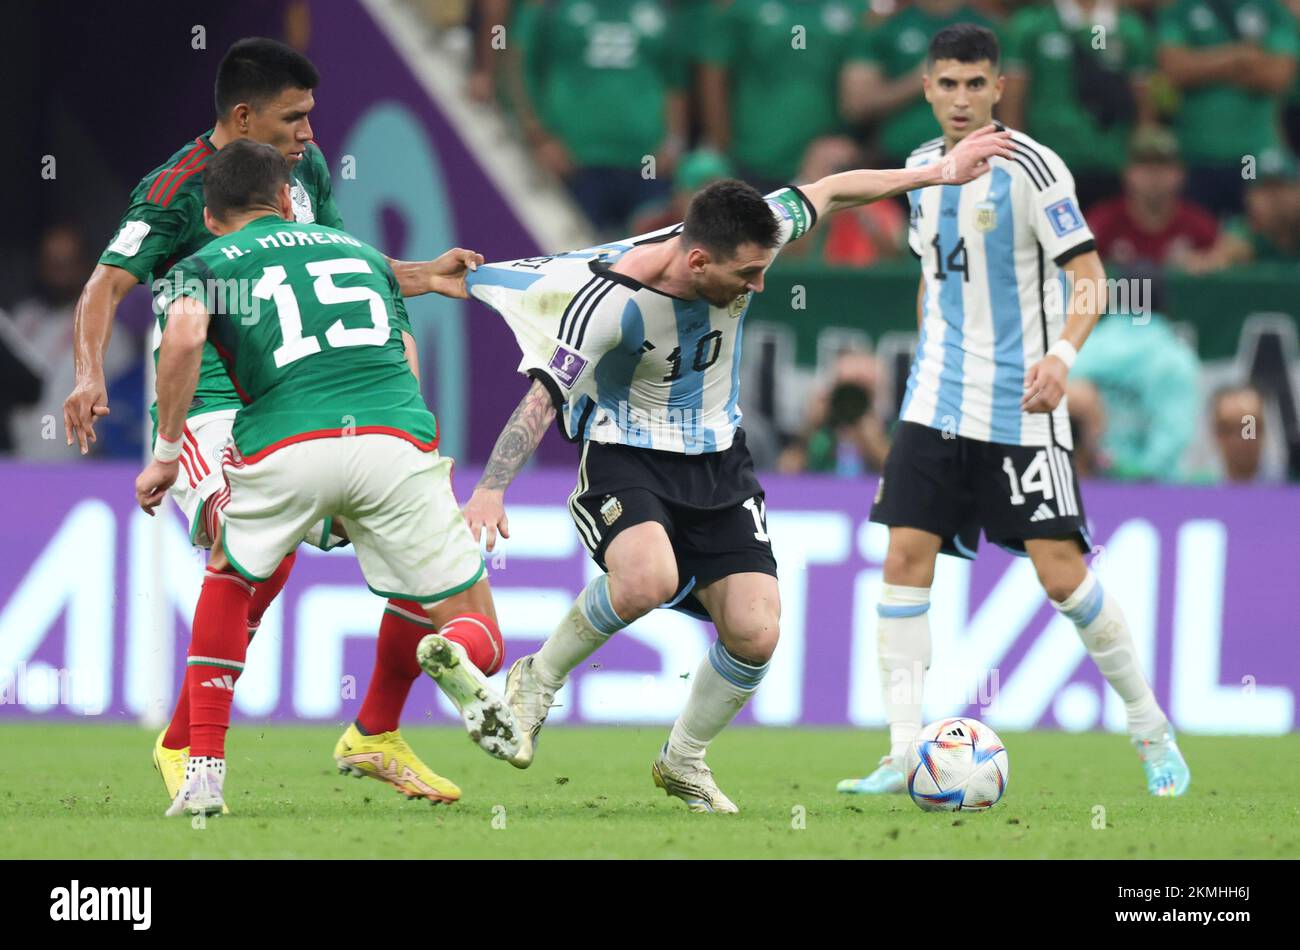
994,294
625,363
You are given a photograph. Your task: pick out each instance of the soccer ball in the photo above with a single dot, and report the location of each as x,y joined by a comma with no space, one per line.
957,765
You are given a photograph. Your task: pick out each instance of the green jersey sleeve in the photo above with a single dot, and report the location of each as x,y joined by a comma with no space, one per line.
149,235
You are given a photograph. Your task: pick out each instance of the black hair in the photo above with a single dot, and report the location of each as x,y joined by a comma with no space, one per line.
966,43
726,214
243,174
257,69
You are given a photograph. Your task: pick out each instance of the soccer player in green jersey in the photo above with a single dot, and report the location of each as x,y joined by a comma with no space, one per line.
310,324
263,93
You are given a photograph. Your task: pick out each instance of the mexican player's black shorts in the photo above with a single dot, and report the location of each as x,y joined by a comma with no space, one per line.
711,505
955,486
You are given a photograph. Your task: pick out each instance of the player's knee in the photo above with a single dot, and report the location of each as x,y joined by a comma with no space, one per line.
1057,586
754,646
907,567
752,634
1060,575
635,595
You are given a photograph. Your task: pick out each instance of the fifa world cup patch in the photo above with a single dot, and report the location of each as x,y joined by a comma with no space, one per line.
127,242
1064,216
610,510
986,217
567,366
737,306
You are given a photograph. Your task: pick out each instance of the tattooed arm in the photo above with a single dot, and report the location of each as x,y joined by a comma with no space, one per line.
515,446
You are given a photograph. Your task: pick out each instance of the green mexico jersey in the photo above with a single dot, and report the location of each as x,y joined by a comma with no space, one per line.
897,47
783,59
1043,47
164,223
308,322
1218,123
600,72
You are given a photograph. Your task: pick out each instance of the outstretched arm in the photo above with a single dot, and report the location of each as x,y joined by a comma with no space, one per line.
966,162
443,275
515,446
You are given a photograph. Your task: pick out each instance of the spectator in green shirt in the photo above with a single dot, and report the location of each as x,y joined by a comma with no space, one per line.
771,80
1269,231
1234,63
1077,74
603,84
882,79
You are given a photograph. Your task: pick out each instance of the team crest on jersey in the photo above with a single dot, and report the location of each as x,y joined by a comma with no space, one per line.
611,510
301,201
986,216
567,366
737,306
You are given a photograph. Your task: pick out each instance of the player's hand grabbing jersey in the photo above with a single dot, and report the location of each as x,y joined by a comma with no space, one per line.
627,364
994,302
308,320
164,223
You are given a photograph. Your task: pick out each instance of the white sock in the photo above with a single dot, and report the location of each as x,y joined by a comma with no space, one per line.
585,628
1100,622
903,651
721,687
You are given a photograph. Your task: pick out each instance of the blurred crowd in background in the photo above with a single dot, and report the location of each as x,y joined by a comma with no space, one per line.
1180,121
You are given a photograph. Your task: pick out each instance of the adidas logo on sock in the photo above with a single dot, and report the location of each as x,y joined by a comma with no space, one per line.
221,682
1044,513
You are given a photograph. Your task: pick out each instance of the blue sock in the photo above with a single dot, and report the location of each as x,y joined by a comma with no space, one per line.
597,607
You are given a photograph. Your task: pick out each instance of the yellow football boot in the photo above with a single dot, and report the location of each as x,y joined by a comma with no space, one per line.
388,758
170,764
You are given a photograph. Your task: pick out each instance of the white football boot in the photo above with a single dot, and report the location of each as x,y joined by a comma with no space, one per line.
692,782
487,718
200,793
529,700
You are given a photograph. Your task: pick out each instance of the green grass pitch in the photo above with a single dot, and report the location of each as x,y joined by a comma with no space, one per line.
90,791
